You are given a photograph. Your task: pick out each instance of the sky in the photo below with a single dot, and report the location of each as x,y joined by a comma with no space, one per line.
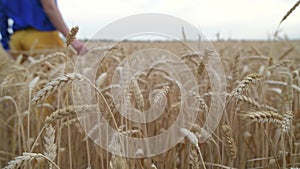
232,19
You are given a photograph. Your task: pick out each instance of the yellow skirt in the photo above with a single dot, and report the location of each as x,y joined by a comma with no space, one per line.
32,39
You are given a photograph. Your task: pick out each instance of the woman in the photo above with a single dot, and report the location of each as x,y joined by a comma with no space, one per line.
36,25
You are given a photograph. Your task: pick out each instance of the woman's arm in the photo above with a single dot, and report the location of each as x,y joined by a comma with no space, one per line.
55,16
57,20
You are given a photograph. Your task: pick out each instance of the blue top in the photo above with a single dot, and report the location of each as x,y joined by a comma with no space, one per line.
25,14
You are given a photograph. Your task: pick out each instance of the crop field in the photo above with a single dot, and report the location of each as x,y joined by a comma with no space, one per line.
45,117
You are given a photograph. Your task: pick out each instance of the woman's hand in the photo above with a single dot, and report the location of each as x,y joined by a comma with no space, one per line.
79,47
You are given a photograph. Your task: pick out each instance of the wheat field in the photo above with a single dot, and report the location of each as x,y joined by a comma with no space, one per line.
259,128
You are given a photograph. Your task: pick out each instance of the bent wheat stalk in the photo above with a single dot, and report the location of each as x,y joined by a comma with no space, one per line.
245,83
68,112
194,140
54,84
25,159
248,100
265,116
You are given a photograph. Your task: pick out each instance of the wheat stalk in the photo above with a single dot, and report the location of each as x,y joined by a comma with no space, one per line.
265,116
247,100
290,11
22,160
153,166
284,54
69,122
72,35
194,140
118,162
51,87
289,92
195,160
279,64
235,68
115,146
245,83
200,68
273,82
50,146
100,80
162,93
286,16
25,159
68,112
203,105
138,95
230,145
287,120
48,57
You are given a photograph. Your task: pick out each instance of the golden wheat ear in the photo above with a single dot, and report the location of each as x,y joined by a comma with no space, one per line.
72,35
230,146
50,146
51,87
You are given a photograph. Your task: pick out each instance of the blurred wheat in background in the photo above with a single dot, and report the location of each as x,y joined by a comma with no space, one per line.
260,127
